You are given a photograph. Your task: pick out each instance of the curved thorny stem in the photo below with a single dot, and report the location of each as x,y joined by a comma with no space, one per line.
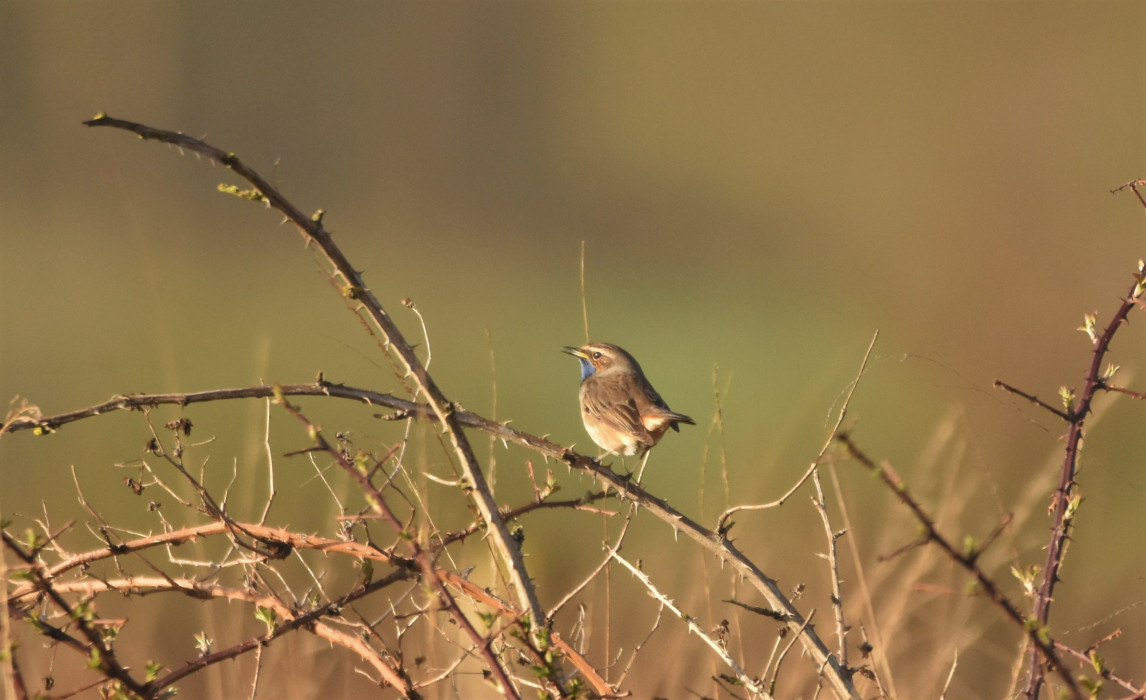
355,288
451,419
1065,500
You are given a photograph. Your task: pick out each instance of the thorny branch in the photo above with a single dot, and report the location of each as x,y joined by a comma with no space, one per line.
712,541
833,568
451,418
355,288
723,521
448,416
1065,500
968,560
97,648
752,684
419,553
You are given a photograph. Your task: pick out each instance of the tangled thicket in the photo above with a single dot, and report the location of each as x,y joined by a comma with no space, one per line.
419,606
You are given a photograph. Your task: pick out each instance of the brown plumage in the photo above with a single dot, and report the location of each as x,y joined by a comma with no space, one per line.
621,410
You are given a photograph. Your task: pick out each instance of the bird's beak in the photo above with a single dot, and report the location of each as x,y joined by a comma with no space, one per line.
575,352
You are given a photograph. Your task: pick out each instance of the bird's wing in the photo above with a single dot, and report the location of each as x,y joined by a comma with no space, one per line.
653,405
611,402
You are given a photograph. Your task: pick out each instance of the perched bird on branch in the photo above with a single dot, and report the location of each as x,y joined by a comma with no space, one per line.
621,410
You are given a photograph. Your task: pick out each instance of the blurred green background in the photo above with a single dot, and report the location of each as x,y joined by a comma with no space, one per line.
759,187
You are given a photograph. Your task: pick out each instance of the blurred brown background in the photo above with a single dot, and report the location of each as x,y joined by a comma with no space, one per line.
760,188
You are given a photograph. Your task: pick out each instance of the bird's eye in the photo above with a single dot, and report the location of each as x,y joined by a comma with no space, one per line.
597,355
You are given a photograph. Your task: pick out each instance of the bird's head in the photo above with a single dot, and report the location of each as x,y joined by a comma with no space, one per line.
602,357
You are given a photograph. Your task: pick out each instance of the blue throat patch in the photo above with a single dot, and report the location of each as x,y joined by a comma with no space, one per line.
586,368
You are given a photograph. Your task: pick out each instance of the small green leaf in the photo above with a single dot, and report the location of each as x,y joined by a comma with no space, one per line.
203,643
363,462
1090,326
83,611
1072,506
32,539
1027,577
250,195
1097,662
267,616
970,547
1066,394
152,670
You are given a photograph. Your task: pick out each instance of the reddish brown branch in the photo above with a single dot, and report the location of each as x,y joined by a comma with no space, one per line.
101,653
1065,501
712,541
1133,185
1120,390
404,569
968,560
475,592
355,288
1087,659
452,419
130,402
420,554
999,384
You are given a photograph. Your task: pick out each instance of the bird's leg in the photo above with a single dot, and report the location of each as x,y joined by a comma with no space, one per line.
624,474
644,461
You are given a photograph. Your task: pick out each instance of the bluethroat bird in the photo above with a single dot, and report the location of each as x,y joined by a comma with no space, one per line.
621,410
